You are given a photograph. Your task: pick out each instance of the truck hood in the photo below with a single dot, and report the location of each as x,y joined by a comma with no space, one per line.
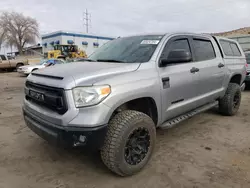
85,73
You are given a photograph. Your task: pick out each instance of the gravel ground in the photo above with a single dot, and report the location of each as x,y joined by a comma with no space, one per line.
208,150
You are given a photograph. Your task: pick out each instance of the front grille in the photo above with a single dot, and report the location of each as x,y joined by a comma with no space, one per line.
49,97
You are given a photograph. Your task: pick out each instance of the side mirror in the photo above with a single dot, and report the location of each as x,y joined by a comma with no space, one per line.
176,56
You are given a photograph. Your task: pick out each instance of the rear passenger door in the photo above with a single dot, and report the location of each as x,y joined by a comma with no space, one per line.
211,69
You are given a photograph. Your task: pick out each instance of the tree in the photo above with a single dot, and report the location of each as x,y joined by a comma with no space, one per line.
2,35
19,29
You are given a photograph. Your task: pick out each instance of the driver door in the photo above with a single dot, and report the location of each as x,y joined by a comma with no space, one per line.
179,84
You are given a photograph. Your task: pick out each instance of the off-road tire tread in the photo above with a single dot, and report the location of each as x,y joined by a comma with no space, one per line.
225,107
117,125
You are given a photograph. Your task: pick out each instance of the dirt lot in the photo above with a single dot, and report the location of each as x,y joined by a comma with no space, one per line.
208,150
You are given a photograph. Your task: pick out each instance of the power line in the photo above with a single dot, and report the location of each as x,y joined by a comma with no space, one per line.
86,20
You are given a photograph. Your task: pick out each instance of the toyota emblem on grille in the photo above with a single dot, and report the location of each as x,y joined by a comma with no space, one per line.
36,95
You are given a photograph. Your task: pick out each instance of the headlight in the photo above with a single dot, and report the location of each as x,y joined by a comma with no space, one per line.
88,96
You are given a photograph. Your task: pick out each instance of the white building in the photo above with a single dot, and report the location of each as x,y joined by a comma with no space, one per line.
86,42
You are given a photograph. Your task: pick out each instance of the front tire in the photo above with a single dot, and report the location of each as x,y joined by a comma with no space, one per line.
129,142
230,103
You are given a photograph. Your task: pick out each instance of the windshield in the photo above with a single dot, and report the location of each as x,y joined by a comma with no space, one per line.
128,49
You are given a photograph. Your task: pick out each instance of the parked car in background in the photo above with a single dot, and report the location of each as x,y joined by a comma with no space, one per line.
247,80
11,64
26,70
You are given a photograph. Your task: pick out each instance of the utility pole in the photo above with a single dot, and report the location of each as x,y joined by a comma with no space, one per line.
86,20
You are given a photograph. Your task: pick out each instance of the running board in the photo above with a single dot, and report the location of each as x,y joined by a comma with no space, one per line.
174,121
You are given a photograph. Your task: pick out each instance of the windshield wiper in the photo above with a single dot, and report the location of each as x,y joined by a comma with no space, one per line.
110,60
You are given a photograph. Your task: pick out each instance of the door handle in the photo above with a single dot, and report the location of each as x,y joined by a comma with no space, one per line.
194,70
221,65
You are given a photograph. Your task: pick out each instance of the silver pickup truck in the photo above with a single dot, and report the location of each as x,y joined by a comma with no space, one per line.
115,100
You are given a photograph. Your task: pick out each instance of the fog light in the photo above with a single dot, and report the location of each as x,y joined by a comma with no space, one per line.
82,138
79,141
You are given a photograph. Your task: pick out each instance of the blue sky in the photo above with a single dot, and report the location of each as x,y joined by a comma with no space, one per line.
120,18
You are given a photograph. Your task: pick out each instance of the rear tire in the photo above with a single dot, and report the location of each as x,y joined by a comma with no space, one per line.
230,103
129,142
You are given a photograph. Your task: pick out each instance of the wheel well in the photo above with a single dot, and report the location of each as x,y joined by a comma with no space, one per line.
236,79
145,105
19,64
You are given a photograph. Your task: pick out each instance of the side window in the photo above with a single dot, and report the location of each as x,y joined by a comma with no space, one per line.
226,48
179,44
3,57
235,49
203,50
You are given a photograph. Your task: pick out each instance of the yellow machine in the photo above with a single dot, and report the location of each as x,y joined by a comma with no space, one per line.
65,52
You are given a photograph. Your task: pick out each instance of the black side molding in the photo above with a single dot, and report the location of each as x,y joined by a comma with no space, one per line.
180,100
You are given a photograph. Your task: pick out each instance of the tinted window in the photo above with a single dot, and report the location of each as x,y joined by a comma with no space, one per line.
181,44
3,57
226,48
203,50
235,49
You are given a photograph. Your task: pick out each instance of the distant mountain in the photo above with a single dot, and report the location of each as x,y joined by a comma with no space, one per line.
241,31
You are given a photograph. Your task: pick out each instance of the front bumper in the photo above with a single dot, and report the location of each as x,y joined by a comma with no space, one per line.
24,72
65,136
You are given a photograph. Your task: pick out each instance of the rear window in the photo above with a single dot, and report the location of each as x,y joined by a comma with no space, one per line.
230,48
203,50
